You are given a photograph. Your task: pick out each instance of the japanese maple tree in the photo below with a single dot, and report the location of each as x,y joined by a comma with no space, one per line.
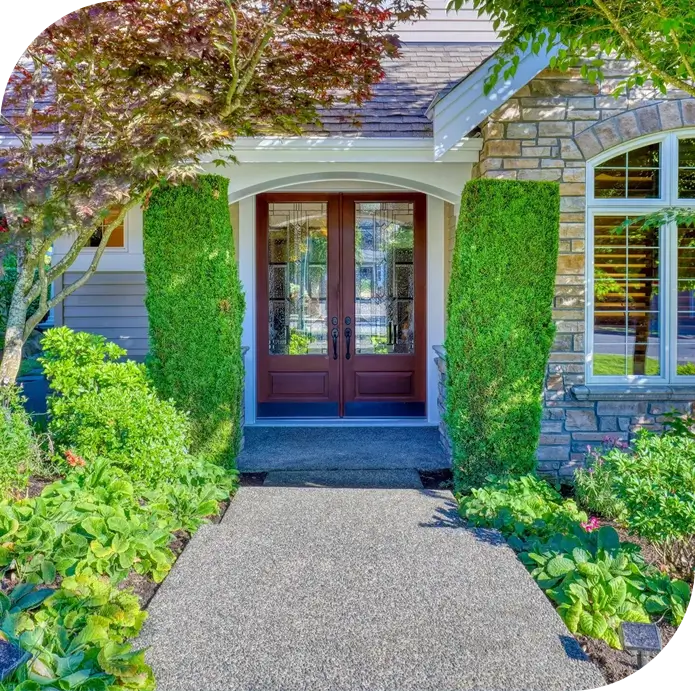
659,35
118,96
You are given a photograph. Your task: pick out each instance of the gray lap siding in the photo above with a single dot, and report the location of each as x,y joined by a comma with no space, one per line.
111,303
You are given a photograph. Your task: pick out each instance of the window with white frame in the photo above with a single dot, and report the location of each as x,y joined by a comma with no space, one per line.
641,280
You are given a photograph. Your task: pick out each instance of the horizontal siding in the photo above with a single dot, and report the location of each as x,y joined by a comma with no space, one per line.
111,304
441,26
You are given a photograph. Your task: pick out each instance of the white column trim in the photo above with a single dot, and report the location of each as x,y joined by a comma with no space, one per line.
247,274
436,299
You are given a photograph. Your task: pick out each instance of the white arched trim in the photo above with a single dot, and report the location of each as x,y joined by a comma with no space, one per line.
333,176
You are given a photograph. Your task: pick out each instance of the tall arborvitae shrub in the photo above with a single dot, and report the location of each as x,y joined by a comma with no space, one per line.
196,307
500,328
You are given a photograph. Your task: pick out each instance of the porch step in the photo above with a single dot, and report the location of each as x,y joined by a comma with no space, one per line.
345,479
341,448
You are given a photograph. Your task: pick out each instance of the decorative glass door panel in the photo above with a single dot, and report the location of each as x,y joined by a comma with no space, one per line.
298,278
341,296
384,278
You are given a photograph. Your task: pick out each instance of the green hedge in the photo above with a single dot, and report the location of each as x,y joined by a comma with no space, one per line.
500,329
196,307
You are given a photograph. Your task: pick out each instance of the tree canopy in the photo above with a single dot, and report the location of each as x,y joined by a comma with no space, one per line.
657,34
118,96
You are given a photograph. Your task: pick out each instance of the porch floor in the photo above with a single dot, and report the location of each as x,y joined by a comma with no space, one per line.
326,589
341,448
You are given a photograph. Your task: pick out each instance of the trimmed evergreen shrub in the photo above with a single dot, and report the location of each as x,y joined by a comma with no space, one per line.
500,328
196,307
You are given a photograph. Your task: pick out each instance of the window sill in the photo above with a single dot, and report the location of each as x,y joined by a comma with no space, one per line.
617,392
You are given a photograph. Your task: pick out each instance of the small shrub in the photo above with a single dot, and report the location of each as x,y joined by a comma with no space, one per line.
594,484
520,508
500,328
656,484
20,454
105,408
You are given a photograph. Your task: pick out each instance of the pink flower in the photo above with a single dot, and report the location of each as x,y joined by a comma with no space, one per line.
591,525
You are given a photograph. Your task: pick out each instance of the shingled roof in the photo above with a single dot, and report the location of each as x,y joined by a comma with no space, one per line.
398,108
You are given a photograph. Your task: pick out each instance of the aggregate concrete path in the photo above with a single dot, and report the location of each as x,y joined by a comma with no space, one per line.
341,448
326,589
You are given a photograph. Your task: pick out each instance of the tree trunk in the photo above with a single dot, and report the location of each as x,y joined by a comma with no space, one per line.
16,321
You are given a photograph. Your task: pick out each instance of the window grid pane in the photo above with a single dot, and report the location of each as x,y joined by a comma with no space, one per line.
632,175
686,168
685,303
626,298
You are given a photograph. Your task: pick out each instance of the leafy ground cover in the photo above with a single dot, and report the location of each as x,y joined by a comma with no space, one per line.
125,497
595,577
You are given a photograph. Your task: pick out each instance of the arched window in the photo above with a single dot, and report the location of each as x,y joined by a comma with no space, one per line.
641,281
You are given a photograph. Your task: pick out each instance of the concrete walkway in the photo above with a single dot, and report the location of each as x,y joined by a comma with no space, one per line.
326,589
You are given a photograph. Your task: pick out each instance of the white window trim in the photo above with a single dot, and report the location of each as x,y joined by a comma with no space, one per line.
668,250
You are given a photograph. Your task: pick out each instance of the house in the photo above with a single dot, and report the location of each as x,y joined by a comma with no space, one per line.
344,239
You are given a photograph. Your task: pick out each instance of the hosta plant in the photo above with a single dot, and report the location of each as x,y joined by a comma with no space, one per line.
597,582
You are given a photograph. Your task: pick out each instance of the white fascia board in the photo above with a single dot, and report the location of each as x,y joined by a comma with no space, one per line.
467,104
347,150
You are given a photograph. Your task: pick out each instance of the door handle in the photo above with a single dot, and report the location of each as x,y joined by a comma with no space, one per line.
335,335
348,333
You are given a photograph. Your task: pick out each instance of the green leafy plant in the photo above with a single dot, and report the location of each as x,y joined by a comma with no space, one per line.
20,453
520,508
75,528
193,495
500,327
656,484
299,342
195,333
103,407
597,582
594,484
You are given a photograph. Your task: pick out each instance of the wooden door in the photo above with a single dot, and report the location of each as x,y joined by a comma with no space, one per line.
341,283
298,267
383,297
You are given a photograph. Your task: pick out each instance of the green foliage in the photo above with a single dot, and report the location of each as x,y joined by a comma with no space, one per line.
103,407
594,484
20,454
656,483
91,522
196,307
192,495
658,36
520,508
597,581
500,328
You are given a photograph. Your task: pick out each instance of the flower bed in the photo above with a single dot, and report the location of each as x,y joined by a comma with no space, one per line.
129,497
595,579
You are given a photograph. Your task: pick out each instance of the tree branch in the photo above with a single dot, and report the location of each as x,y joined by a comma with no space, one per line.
639,54
676,42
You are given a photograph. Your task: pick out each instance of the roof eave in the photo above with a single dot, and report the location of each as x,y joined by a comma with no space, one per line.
467,105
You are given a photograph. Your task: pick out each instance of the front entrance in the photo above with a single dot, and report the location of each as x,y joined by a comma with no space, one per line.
341,297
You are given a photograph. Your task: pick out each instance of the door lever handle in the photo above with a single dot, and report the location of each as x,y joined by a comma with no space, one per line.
334,335
348,333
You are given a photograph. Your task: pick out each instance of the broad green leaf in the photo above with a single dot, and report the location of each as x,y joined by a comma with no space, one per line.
559,566
608,538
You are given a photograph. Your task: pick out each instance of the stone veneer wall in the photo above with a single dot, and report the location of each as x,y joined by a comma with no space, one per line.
547,131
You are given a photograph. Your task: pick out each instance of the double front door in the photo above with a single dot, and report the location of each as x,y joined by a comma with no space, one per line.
341,305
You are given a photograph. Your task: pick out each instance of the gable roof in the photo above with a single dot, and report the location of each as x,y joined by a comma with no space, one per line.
400,103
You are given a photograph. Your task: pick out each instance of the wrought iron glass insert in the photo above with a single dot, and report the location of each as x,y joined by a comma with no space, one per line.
384,278
297,278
